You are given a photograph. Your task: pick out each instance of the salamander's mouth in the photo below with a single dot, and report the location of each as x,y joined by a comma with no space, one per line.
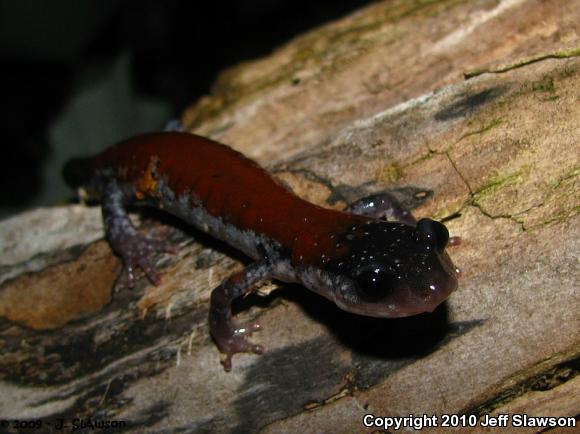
406,301
389,310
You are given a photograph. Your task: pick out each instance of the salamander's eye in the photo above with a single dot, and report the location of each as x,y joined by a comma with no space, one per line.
436,231
374,284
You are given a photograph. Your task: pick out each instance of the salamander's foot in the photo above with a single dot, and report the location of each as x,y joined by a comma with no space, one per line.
454,241
229,337
137,250
382,206
236,342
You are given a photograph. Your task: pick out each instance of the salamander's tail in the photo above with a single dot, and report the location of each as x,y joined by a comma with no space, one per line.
77,172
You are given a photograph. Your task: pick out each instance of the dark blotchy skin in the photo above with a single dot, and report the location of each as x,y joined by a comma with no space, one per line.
361,262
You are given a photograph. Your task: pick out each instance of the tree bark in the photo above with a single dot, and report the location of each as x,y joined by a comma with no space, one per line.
377,101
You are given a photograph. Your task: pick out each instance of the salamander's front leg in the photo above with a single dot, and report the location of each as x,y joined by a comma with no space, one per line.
230,337
385,205
134,248
382,205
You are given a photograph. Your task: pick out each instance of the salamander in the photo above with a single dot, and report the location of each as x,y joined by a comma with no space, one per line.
356,258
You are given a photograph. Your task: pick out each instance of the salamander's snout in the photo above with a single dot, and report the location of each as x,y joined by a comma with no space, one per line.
437,285
396,270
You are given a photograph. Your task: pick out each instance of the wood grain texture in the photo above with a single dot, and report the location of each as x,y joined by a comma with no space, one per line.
376,101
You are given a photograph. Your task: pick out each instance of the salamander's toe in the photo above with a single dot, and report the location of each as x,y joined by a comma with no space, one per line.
137,251
240,345
236,342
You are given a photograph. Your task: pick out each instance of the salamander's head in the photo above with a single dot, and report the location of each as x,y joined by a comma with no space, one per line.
392,269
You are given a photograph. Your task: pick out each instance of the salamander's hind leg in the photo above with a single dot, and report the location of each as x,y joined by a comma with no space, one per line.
230,337
382,205
134,248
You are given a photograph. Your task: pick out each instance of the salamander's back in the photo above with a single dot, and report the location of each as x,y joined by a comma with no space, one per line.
227,184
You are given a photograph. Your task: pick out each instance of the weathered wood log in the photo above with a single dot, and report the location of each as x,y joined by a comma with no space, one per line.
376,101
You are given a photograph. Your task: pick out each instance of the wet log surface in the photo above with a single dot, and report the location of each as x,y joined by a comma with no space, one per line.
374,102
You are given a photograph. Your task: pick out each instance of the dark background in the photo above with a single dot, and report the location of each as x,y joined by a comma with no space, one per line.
77,75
